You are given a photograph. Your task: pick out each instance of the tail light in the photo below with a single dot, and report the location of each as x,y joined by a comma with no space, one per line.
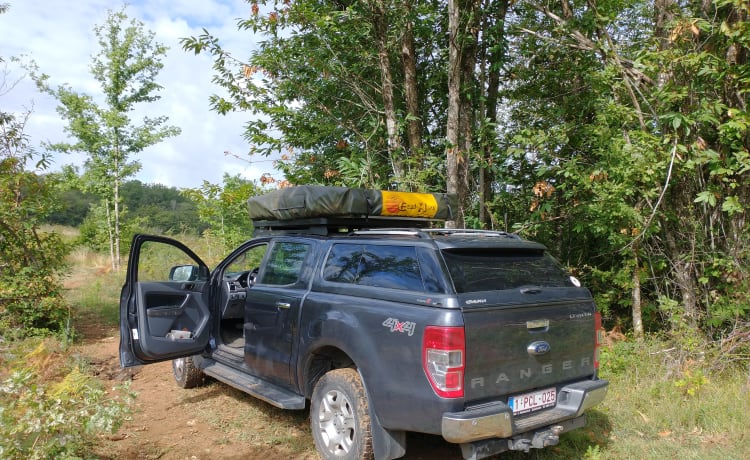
443,359
598,337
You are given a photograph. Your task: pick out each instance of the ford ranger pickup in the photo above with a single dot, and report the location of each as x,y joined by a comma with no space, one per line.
351,300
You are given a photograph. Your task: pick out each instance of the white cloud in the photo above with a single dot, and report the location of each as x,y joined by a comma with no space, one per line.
59,37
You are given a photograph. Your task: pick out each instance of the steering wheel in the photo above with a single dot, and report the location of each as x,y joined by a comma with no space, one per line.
252,276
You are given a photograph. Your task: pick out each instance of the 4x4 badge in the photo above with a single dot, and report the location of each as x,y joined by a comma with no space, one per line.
397,326
537,348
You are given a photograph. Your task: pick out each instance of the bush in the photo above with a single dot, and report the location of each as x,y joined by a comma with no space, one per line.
58,415
30,259
31,303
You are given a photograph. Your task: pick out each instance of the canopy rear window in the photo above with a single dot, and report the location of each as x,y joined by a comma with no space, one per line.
491,270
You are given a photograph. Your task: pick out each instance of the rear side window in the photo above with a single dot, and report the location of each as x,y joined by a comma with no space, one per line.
491,270
284,263
393,267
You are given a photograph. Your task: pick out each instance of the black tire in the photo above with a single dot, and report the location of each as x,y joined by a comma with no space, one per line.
340,417
186,374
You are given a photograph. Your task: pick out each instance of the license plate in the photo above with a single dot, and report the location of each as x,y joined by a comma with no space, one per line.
530,402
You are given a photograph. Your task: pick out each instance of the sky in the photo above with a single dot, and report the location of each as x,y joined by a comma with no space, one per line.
59,37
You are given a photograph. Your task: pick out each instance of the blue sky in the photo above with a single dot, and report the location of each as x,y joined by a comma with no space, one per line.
59,37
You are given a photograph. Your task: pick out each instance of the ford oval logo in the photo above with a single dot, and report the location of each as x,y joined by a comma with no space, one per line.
537,348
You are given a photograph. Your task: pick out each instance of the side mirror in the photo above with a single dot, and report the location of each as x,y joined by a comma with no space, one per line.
183,273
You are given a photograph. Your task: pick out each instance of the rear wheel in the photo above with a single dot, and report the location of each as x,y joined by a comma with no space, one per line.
186,374
340,417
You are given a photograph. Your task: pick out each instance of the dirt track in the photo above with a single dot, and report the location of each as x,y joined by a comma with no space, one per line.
210,422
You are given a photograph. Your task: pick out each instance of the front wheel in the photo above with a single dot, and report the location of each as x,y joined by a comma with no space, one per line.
186,374
340,417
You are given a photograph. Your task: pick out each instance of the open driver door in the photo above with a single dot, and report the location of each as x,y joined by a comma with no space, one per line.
164,310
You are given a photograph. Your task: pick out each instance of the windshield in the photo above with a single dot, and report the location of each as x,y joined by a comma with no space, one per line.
491,270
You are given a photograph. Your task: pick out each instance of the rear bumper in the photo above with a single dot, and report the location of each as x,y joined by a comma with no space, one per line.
495,420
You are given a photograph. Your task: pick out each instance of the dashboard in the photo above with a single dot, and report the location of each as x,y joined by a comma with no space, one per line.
234,292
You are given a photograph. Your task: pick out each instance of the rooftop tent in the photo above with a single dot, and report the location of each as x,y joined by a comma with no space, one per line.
317,201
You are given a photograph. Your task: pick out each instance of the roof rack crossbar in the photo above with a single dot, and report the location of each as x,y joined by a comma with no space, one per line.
470,231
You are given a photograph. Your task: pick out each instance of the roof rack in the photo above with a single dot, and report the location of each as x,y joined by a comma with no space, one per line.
324,226
433,232
472,232
392,232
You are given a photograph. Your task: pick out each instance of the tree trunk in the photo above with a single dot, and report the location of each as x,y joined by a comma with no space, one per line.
462,39
683,267
453,153
118,258
110,234
636,295
395,149
494,51
411,92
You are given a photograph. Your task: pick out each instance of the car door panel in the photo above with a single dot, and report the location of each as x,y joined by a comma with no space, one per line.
270,319
163,318
272,309
175,318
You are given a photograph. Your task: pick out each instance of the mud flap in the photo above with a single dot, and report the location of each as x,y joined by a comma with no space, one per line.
386,444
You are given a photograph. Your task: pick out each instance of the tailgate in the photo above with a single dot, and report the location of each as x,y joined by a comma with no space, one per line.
516,341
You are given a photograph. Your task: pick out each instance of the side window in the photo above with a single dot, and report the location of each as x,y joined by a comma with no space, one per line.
248,261
394,267
284,263
343,263
163,262
432,276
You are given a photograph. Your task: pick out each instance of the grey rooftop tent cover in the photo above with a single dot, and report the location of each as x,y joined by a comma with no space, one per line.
314,201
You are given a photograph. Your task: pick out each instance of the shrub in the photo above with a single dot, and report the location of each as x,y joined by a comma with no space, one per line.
55,416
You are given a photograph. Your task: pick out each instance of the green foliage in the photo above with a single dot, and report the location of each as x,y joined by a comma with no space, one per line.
74,205
31,261
156,206
691,382
92,233
223,209
314,90
621,142
146,207
57,417
662,404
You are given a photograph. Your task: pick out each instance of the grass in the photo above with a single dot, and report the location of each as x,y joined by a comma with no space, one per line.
661,403
255,422
92,288
659,406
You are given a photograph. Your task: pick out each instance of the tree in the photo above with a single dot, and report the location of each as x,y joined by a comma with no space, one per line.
126,68
223,208
641,129
31,260
614,132
335,92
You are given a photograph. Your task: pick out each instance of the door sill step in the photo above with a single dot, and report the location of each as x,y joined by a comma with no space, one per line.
254,386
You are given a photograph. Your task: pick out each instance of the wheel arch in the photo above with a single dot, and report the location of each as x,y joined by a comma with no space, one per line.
321,360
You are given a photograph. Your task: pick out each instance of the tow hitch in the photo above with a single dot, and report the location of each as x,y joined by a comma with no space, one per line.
541,439
545,437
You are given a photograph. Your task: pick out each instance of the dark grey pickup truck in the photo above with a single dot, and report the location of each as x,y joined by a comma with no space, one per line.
384,324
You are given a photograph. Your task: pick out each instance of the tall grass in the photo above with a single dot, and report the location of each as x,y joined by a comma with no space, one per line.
666,404
92,287
661,405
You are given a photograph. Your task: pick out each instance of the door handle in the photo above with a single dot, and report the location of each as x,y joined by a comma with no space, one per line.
283,305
